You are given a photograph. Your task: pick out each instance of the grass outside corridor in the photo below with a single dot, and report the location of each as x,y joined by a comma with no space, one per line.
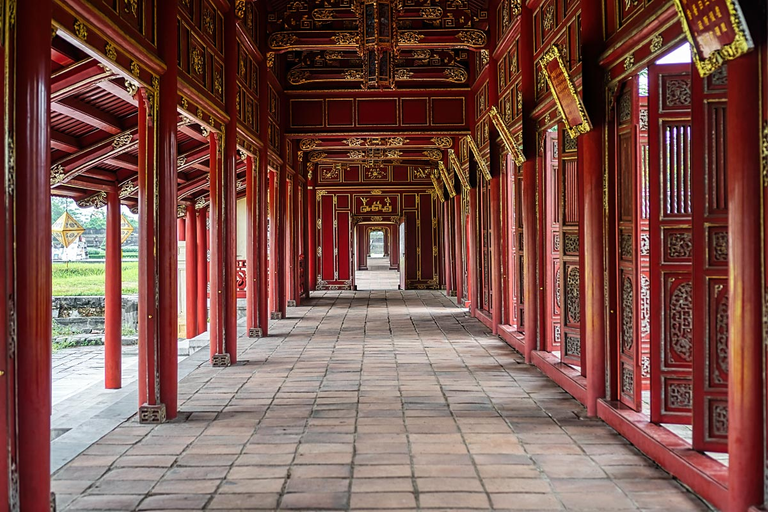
81,279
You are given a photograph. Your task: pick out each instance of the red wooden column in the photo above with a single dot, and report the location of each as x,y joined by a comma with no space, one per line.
167,189
272,244
230,186
201,250
591,163
149,397
281,226
530,315
446,228
458,230
31,86
311,228
252,295
745,383
113,290
216,228
190,250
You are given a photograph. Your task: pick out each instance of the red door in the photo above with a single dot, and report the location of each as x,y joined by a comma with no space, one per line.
570,273
710,265
553,279
671,243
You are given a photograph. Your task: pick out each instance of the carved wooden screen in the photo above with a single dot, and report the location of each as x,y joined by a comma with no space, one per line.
484,243
632,248
710,265
553,278
510,277
520,262
671,244
570,273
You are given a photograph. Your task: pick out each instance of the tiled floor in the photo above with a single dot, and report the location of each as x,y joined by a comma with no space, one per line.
378,276
363,401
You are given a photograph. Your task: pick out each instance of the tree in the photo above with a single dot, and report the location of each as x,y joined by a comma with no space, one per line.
98,220
59,205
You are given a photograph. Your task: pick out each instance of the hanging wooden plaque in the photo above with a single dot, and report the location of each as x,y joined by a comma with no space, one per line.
716,30
480,162
564,91
506,137
446,179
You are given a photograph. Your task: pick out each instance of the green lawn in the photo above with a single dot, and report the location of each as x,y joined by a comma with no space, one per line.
88,279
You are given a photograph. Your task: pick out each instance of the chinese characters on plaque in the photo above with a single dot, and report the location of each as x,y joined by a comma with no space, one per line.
716,30
568,101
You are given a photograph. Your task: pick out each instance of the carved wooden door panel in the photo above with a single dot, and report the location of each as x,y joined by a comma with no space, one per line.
628,215
570,273
511,275
484,243
552,300
671,243
710,265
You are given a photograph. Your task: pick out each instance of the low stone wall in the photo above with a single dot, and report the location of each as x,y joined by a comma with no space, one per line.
87,313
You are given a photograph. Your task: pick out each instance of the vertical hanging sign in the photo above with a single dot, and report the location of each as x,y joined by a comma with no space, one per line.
716,30
568,101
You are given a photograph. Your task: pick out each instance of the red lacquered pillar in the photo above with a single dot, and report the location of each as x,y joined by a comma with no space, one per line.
281,224
446,231
190,254
230,186
31,103
458,207
745,334
591,232
311,228
217,253
148,392
496,251
202,271
530,255
181,230
167,187
113,290
251,248
394,249
272,243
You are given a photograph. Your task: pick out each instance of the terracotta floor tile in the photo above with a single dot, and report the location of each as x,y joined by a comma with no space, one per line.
370,401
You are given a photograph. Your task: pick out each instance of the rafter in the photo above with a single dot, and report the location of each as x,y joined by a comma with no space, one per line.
88,114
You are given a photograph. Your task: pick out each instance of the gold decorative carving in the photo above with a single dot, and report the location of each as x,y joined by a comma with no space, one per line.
208,22
218,83
422,54
271,61
127,189
122,140
346,38
656,43
282,40
131,6
308,144
180,161
403,74
197,61
472,37
431,12
409,38
765,153
298,76
135,69
456,74
629,62
443,142
353,74
549,18
81,31
354,141
446,179
454,161
57,174
131,88
485,57
110,51
316,156
240,9
433,154
397,141
97,200
333,55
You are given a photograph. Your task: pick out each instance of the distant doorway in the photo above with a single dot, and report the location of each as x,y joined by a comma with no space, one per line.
375,267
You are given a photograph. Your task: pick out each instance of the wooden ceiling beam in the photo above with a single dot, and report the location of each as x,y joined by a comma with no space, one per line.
77,78
114,88
124,161
88,114
64,142
192,132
